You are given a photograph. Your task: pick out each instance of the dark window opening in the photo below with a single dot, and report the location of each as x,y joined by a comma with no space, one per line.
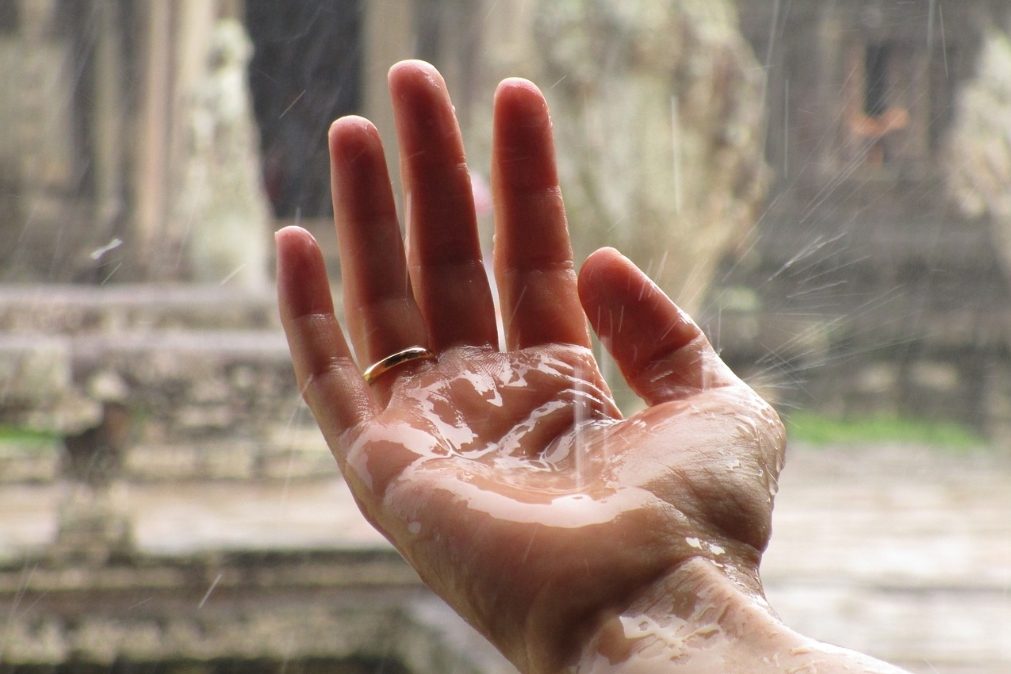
10,17
876,79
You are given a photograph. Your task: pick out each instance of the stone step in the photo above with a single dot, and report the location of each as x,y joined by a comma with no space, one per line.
288,454
73,310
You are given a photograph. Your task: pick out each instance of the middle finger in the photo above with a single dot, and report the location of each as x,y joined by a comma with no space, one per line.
444,251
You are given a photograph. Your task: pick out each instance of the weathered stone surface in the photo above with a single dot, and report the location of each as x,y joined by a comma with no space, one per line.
295,453
29,462
658,133
943,365
164,377
220,208
94,526
329,606
660,152
41,156
38,393
997,380
978,153
34,369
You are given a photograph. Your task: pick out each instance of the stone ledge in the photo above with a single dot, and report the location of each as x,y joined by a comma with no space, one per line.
303,456
217,404
44,375
29,463
379,567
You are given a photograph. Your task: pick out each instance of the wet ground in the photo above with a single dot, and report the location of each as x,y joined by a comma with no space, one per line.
901,552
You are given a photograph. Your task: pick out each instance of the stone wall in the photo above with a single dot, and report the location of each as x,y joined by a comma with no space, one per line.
866,289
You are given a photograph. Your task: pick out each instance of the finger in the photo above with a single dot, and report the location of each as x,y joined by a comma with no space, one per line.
327,375
382,315
450,282
661,352
533,256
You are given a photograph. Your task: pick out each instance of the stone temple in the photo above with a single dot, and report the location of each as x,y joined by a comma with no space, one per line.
166,503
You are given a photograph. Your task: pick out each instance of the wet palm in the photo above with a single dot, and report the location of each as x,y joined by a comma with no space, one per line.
510,481
508,478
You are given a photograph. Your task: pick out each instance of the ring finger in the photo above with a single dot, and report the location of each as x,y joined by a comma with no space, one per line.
382,315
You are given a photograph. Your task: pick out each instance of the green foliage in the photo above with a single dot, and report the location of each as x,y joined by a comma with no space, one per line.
818,429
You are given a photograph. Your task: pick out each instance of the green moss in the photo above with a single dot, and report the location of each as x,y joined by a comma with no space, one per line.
27,437
818,429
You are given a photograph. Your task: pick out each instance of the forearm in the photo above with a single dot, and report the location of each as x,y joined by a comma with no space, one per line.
699,621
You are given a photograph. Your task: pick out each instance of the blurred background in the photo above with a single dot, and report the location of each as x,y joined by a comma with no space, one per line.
827,186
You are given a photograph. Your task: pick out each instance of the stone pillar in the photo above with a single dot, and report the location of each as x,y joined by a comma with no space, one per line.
10,151
109,117
152,141
506,45
36,234
977,156
219,207
832,72
200,212
450,35
388,37
48,156
195,22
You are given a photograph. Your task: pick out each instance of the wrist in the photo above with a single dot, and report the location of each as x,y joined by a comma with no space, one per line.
699,618
703,618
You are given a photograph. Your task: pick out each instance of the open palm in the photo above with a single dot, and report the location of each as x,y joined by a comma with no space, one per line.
509,479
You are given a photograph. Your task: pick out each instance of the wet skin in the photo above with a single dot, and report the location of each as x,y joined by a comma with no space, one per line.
508,478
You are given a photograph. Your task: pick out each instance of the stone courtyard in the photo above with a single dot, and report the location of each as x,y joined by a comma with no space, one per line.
899,551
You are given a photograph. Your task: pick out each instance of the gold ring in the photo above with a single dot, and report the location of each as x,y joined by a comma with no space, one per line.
381,367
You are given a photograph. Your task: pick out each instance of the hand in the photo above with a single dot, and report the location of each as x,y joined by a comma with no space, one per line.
509,479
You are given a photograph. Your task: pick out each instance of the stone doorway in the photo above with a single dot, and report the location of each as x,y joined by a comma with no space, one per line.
305,72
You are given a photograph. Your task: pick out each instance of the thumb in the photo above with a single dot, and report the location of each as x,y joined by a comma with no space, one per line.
661,351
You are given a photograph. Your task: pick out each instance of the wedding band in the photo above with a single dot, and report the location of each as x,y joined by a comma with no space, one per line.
381,367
